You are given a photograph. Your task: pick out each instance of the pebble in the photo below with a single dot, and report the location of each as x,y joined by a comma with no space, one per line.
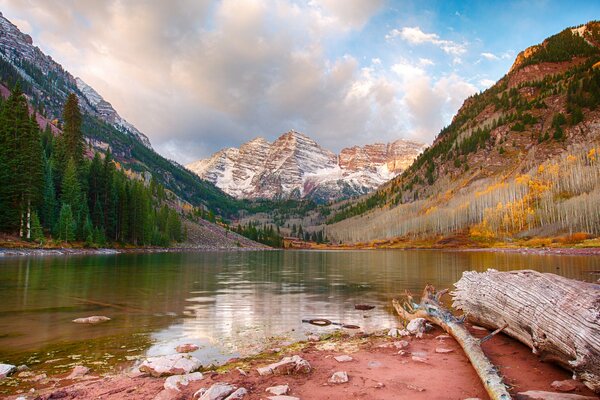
343,358
339,377
443,350
278,390
401,344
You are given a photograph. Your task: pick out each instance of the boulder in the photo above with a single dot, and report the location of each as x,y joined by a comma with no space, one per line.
186,348
174,364
278,390
6,370
287,366
175,381
339,377
94,319
218,391
78,371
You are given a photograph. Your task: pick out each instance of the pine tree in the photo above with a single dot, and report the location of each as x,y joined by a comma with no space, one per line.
71,189
66,224
72,136
49,203
37,233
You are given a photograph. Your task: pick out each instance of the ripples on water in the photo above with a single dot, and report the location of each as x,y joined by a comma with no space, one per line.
230,304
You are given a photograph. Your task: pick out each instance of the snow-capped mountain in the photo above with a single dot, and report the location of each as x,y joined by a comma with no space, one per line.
295,166
51,84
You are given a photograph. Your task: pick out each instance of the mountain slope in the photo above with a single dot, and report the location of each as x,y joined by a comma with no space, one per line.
47,85
295,166
517,160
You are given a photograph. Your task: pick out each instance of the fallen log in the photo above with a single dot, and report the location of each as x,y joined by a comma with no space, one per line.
557,317
431,309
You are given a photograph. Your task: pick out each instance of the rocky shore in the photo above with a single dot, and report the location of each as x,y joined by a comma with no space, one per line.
386,365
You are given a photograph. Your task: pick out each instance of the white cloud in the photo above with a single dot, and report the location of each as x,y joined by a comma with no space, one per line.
486,83
415,36
353,14
426,62
490,56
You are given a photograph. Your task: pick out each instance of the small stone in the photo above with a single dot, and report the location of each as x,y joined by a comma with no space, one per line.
238,394
174,364
403,353
379,385
401,344
394,332
278,390
419,359
186,348
478,328
443,350
415,388
218,391
78,371
25,374
22,368
175,381
313,338
565,386
343,358
6,370
339,377
94,319
241,372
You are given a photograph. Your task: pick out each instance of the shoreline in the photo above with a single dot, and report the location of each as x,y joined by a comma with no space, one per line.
66,251
380,366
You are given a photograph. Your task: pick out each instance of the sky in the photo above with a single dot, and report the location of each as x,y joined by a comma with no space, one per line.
198,75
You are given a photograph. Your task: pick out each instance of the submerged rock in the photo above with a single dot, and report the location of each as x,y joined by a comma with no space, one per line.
287,366
186,348
174,364
6,370
94,319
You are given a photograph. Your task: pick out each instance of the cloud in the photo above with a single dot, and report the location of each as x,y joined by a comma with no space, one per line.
486,83
415,36
490,56
197,76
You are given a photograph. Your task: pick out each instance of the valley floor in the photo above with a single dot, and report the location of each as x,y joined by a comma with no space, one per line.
433,367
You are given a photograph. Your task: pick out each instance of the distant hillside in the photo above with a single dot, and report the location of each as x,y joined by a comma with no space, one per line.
296,167
519,159
47,86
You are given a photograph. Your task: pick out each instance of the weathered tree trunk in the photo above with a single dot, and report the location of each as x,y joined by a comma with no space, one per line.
558,318
431,309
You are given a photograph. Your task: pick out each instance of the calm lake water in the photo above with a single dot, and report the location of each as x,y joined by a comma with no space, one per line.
230,304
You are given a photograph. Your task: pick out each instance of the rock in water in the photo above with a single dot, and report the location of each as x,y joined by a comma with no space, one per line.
287,366
187,348
6,370
173,382
339,377
94,319
174,364
78,371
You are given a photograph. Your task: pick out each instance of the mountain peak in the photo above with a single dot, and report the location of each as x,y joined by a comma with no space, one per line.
295,166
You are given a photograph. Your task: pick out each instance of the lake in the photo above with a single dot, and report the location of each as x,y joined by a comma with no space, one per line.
229,303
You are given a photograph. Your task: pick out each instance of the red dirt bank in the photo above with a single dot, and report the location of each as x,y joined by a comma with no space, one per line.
377,372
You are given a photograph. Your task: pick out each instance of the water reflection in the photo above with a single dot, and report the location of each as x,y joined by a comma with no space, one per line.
227,303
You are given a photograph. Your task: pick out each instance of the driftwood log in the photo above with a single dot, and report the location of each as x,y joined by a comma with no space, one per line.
431,309
557,317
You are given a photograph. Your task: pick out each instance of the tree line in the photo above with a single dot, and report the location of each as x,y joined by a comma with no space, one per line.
50,188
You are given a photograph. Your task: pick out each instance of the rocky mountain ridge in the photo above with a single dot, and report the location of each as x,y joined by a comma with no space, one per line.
295,166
